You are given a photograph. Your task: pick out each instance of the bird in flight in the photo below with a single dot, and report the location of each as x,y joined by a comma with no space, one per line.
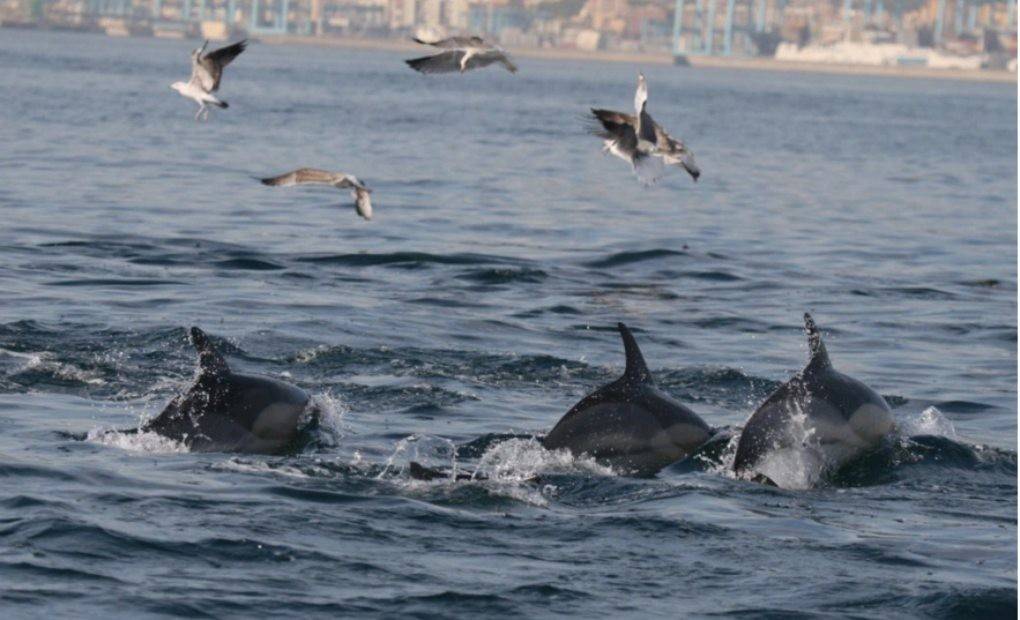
313,176
206,72
460,54
640,140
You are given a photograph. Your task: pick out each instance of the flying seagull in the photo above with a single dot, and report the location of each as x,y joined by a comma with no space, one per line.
206,72
313,176
640,140
460,54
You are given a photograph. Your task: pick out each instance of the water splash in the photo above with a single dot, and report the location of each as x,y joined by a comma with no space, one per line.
325,418
418,448
931,421
525,459
796,461
514,468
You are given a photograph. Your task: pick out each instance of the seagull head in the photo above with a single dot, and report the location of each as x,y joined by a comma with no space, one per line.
684,159
195,53
178,86
674,153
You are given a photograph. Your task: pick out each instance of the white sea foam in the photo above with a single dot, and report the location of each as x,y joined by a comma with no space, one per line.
258,466
44,361
152,443
308,356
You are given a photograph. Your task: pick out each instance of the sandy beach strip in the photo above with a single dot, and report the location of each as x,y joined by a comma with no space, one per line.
740,63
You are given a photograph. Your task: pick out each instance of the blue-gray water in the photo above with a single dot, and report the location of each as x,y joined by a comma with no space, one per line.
481,300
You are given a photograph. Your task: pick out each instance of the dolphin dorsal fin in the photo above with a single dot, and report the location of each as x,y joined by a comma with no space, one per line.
819,356
209,359
637,370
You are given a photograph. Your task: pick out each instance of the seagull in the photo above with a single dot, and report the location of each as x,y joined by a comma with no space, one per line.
314,176
640,140
461,54
206,72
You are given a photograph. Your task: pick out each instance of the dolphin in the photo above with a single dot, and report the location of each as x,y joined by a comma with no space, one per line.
630,424
818,409
226,411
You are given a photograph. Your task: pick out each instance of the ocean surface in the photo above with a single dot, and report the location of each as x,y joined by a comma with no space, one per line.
471,313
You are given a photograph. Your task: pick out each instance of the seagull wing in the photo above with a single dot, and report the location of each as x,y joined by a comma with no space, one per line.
443,62
348,180
455,42
209,68
645,126
646,129
363,201
620,132
303,176
616,127
640,94
487,57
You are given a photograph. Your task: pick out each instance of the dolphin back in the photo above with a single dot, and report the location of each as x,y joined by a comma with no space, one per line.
630,424
837,412
227,411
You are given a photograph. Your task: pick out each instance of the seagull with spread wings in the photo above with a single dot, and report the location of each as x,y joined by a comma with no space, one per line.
314,176
640,140
206,72
460,54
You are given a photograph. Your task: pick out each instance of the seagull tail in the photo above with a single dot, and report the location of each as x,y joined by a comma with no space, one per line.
222,104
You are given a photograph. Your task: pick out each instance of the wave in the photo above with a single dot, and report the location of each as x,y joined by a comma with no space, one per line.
914,292
968,602
620,259
249,264
113,282
407,260
505,275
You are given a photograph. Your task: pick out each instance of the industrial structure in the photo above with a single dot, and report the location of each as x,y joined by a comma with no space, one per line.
708,27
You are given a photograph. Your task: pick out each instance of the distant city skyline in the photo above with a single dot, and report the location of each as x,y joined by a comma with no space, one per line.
684,27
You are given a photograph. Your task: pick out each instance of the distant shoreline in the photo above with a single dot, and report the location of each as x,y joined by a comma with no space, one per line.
743,63
662,58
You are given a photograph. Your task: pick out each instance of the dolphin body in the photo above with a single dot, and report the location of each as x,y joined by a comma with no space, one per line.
230,412
818,409
630,424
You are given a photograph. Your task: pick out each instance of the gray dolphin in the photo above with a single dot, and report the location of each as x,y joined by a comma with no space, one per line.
230,412
630,424
818,408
